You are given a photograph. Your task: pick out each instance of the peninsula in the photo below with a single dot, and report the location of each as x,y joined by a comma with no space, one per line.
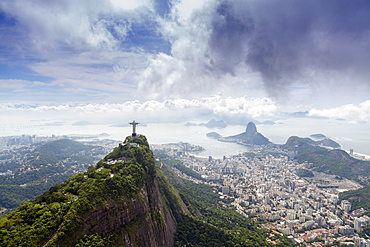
249,137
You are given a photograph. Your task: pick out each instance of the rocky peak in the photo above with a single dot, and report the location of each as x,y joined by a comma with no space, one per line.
251,128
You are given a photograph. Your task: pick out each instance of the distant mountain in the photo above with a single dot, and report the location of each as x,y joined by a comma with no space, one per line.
192,124
250,136
268,122
318,136
337,162
299,114
213,135
326,142
210,124
301,145
216,124
251,129
329,143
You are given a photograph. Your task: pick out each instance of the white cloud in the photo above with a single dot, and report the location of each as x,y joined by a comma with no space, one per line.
82,25
360,112
79,46
214,106
184,9
187,71
193,69
131,5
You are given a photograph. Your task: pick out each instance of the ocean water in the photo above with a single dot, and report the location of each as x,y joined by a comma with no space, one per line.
350,136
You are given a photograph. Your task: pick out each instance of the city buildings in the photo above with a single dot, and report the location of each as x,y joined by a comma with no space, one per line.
267,187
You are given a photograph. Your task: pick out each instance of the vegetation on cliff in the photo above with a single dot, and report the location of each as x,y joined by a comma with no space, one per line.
304,173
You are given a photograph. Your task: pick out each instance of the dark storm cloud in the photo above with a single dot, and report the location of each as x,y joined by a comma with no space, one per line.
282,39
229,32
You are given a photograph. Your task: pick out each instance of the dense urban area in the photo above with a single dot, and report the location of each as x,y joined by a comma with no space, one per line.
267,188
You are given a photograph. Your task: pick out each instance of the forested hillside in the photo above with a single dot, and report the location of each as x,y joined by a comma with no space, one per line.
359,198
335,161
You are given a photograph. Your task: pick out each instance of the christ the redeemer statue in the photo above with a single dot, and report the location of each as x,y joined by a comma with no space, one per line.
133,123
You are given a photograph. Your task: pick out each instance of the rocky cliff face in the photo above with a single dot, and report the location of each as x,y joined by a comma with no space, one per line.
143,220
119,202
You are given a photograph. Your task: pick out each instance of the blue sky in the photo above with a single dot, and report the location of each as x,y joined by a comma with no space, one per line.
240,59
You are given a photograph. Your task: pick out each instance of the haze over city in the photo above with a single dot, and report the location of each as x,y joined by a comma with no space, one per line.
295,67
